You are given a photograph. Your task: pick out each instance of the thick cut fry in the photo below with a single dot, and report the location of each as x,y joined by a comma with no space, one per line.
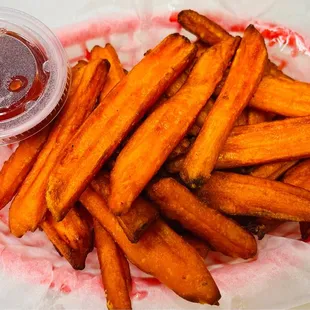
160,133
161,253
16,168
178,203
273,70
116,72
29,207
72,237
198,244
115,116
266,142
300,176
205,29
201,48
245,74
237,194
262,226
177,84
282,96
272,171
140,216
113,275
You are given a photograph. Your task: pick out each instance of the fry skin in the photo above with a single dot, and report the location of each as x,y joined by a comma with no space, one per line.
161,253
116,72
72,237
140,216
262,226
174,166
299,176
272,171
245,74
16,168
181,149
115,116
282,96
29,207
178,203
283,140
256,116
205,29
237,194
161,132
112,269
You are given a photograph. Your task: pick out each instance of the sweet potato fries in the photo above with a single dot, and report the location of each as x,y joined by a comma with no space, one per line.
114,117
165,127
236,93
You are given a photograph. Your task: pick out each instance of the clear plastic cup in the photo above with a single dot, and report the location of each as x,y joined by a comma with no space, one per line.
34,76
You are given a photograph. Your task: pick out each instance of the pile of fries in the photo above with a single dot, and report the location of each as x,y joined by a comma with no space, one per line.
132,153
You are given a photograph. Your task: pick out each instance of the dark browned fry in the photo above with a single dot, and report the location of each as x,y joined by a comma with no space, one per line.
159,250
178,203
283,140
113,275
245,74
205,29
72,237
300,176
160,133
109,124
181,149
262,226
116,72
237,194
138,219
174,166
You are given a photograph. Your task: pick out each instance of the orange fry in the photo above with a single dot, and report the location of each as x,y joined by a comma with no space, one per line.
140,216
160,133
72,237
181,149
272,171
113,275
29,207
16,168
256,116
116,72
245,74
266,142
115,116
282,96
237,194
161,253
178,203
205,29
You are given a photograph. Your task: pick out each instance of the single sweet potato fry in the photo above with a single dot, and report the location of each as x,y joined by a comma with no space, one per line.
283,140
178,203
16,168
138,219
282,96
161,253
72,237
113,119
160,133
181,149
29,207
205,29
237,194
113,275
300,176
198,244
272,171
245,74
174,166
116,72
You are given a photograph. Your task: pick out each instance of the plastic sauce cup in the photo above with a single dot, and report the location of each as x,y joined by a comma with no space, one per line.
34,76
